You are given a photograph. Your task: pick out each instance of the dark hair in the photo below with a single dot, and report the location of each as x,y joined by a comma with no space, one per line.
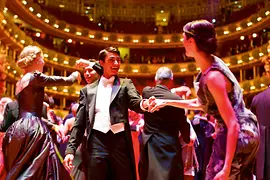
103,53
208,117
204,35
197,111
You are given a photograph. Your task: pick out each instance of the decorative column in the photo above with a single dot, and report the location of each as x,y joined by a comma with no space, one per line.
241,75
63,104
254,72
12,91
52,71
65,73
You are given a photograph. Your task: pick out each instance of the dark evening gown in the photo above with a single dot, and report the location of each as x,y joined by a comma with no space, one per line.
28,148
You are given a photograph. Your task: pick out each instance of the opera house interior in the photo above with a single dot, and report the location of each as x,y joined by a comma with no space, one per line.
147,33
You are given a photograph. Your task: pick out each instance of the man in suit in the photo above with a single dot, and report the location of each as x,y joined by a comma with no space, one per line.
260,107
11,113
161,156
103,111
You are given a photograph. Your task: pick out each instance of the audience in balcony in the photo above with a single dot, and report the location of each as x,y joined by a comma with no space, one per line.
141,25
249,42
73,48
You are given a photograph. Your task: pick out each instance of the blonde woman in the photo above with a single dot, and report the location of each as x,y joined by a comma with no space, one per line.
29,152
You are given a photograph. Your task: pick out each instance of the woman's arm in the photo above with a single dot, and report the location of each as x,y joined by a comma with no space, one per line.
191,104
218,85
44,80
68,125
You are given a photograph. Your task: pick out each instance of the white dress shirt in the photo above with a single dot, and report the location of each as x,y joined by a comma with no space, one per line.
102,121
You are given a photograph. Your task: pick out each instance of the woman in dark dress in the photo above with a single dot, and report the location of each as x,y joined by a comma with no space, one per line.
29,151
220,95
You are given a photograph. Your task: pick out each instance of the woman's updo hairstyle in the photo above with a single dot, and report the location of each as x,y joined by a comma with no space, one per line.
28,55
204,34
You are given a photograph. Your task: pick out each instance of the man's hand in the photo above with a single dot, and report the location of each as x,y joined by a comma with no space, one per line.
191,142
182,91
140,124
68,161
214,135
156,105
222,175
65,139
146,103
58,130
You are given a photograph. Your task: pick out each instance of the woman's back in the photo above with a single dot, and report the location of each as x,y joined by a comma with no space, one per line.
31,97
235,95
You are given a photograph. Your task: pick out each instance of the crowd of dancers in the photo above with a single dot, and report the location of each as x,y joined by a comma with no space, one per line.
99,140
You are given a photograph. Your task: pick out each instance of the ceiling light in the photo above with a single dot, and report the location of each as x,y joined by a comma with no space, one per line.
31,9
238,28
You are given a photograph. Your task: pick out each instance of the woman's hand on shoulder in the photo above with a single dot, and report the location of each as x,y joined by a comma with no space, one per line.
77,74
83,63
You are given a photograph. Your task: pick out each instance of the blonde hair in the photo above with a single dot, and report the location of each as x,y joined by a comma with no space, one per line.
28,55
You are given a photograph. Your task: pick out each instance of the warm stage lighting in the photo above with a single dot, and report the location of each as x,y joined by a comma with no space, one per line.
24,2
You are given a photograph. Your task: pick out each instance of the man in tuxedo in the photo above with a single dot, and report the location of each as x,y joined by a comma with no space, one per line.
103,111
90,74
260,107
161,156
